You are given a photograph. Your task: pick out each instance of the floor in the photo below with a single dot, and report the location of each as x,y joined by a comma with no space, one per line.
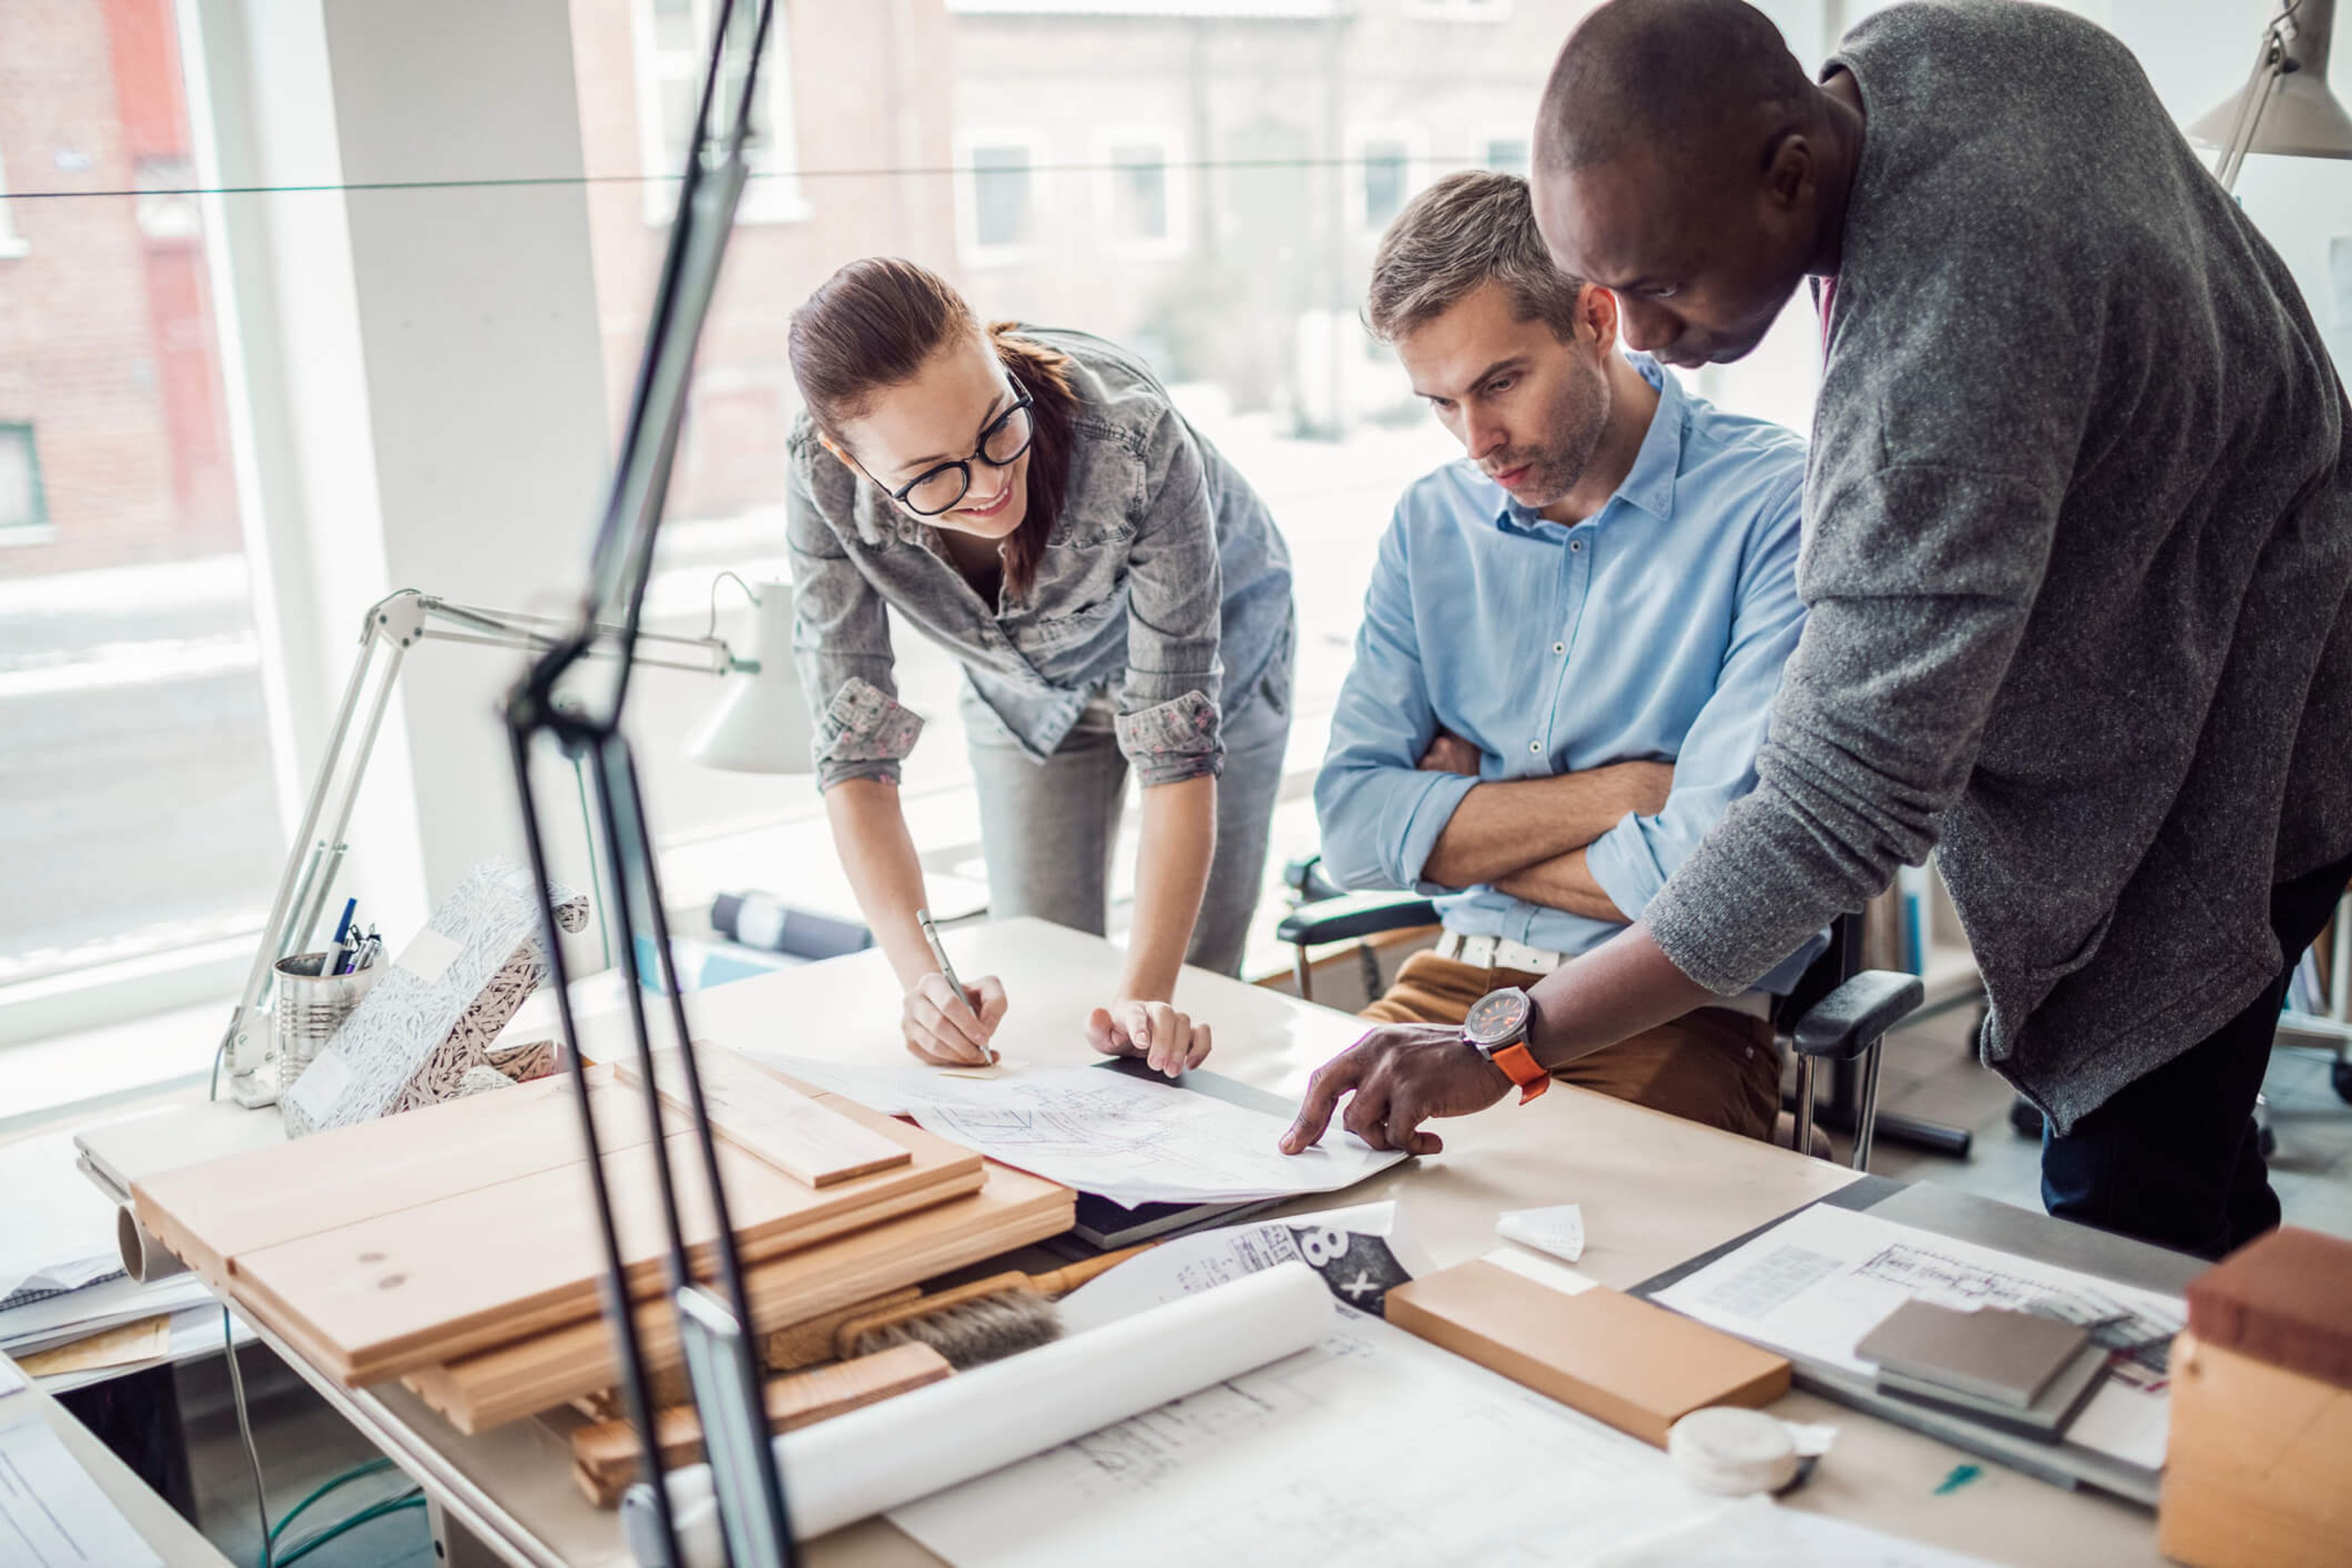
1931,1071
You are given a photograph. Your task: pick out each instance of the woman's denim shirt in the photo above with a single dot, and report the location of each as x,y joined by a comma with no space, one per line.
1164,583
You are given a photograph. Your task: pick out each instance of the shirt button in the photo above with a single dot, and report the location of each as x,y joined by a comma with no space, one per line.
1536,746
1576,544
1559,648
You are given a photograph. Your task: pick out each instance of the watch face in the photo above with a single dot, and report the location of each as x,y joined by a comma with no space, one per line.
1498,1018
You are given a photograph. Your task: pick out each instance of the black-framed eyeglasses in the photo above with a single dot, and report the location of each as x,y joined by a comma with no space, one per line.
942,488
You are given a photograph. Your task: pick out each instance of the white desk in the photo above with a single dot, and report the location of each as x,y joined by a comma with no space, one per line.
1654,1191
173,1539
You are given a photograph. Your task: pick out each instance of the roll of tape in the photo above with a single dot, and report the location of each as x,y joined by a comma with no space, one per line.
1732,1452
144,1259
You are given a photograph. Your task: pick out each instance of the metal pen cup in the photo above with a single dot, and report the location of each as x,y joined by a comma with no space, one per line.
311,1006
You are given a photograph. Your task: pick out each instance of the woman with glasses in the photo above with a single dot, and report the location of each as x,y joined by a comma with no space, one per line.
1118,596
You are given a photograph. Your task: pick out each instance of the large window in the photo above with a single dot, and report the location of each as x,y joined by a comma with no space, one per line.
138,813
673,42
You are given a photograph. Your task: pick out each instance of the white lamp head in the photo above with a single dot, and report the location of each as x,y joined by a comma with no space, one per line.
2301,117
761,724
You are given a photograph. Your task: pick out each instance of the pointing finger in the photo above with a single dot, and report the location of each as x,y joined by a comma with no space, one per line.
1332,1080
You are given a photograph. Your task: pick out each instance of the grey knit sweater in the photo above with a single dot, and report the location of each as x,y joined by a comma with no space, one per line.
2078,536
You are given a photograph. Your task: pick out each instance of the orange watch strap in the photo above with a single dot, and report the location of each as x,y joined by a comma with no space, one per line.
1520,1063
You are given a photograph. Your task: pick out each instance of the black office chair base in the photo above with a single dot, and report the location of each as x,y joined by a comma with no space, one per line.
1915,1134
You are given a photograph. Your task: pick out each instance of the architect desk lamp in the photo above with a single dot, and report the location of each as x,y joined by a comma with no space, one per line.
760,725
577,706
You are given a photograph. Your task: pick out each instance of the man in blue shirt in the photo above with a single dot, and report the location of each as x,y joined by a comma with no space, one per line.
1569,649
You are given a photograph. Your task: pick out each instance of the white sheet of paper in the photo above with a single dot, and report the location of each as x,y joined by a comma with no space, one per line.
53,1515
1373,1450
63,1319
11,1380
1558,1230
322,1084
1104,1133
1813,1285
1761,1533
57,1230
429,955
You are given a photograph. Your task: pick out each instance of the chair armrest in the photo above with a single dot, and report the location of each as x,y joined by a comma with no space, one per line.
1845,1023
1355,915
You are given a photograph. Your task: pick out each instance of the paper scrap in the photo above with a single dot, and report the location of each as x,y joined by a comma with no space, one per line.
145,1340
53,1514
1543,1271
322,1086
1558,1230
1125,1138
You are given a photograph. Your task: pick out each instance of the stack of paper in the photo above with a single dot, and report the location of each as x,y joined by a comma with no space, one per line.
61,1276
1104,1133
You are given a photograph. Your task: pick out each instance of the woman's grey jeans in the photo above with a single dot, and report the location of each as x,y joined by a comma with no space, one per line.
1049,828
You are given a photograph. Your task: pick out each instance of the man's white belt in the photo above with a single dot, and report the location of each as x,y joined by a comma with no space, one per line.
1502,952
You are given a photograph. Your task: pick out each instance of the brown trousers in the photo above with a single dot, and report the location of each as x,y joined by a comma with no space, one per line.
1712,1065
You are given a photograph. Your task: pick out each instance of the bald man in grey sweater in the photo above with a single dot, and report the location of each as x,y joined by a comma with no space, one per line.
2078,542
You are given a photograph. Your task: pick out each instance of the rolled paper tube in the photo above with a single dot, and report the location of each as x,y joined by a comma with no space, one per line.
875,1459
144,1259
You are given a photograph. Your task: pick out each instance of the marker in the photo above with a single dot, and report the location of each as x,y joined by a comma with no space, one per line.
940,956
343,926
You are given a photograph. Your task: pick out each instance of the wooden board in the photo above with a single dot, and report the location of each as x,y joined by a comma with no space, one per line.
2258,1464
604,1455
461,1273
215,1212
479,1392
762,1114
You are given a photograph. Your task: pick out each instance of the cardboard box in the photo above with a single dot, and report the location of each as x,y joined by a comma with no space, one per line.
1640,1368
2258,1466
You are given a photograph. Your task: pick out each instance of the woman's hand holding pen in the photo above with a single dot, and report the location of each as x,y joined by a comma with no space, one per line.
949,1026
1167,1040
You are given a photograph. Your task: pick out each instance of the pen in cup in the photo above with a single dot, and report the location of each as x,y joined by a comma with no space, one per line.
940,956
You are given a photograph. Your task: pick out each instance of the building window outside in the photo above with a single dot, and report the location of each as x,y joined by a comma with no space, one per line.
24,512
1141,210
1507,156
1384,180
12,243
673,40
1000,197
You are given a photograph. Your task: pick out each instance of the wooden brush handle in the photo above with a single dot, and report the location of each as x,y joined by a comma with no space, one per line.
1069,1276
846,1336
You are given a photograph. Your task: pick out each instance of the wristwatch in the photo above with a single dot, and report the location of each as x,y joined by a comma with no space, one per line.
1496,1024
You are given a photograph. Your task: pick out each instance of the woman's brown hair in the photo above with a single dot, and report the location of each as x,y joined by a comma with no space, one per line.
877,322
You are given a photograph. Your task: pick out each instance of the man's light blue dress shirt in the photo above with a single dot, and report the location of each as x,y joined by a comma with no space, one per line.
1653,630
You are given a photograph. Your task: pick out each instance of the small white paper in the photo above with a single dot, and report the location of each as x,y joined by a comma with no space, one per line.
1567,1281
52,1514
322,1086
428,954
1558,1231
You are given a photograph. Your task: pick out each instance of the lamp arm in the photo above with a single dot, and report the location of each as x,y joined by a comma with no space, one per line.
2271,65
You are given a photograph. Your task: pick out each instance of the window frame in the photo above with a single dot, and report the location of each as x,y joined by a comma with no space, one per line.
1170,143
38,530
774,194
1486,152
1361,139
968,145
13,244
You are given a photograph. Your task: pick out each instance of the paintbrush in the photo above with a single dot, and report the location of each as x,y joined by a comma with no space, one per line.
985,1321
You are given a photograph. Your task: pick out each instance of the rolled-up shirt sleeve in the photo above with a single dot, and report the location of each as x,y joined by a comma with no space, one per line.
1379,815
1716,764
841,646
1168,723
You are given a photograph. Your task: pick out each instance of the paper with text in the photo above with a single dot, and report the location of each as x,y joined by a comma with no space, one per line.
1813,1285
1127,1139
52,1514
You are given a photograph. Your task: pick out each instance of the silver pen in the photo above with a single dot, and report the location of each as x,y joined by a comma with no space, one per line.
940,956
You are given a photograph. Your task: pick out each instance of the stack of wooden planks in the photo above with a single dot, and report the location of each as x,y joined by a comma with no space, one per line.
455,1245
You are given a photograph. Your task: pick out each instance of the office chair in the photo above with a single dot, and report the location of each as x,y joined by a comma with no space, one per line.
1837,1013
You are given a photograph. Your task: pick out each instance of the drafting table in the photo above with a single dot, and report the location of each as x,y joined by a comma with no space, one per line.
173,1539
1655,1191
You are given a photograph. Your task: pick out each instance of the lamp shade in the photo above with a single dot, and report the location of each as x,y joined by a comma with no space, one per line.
761,724
2301,117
